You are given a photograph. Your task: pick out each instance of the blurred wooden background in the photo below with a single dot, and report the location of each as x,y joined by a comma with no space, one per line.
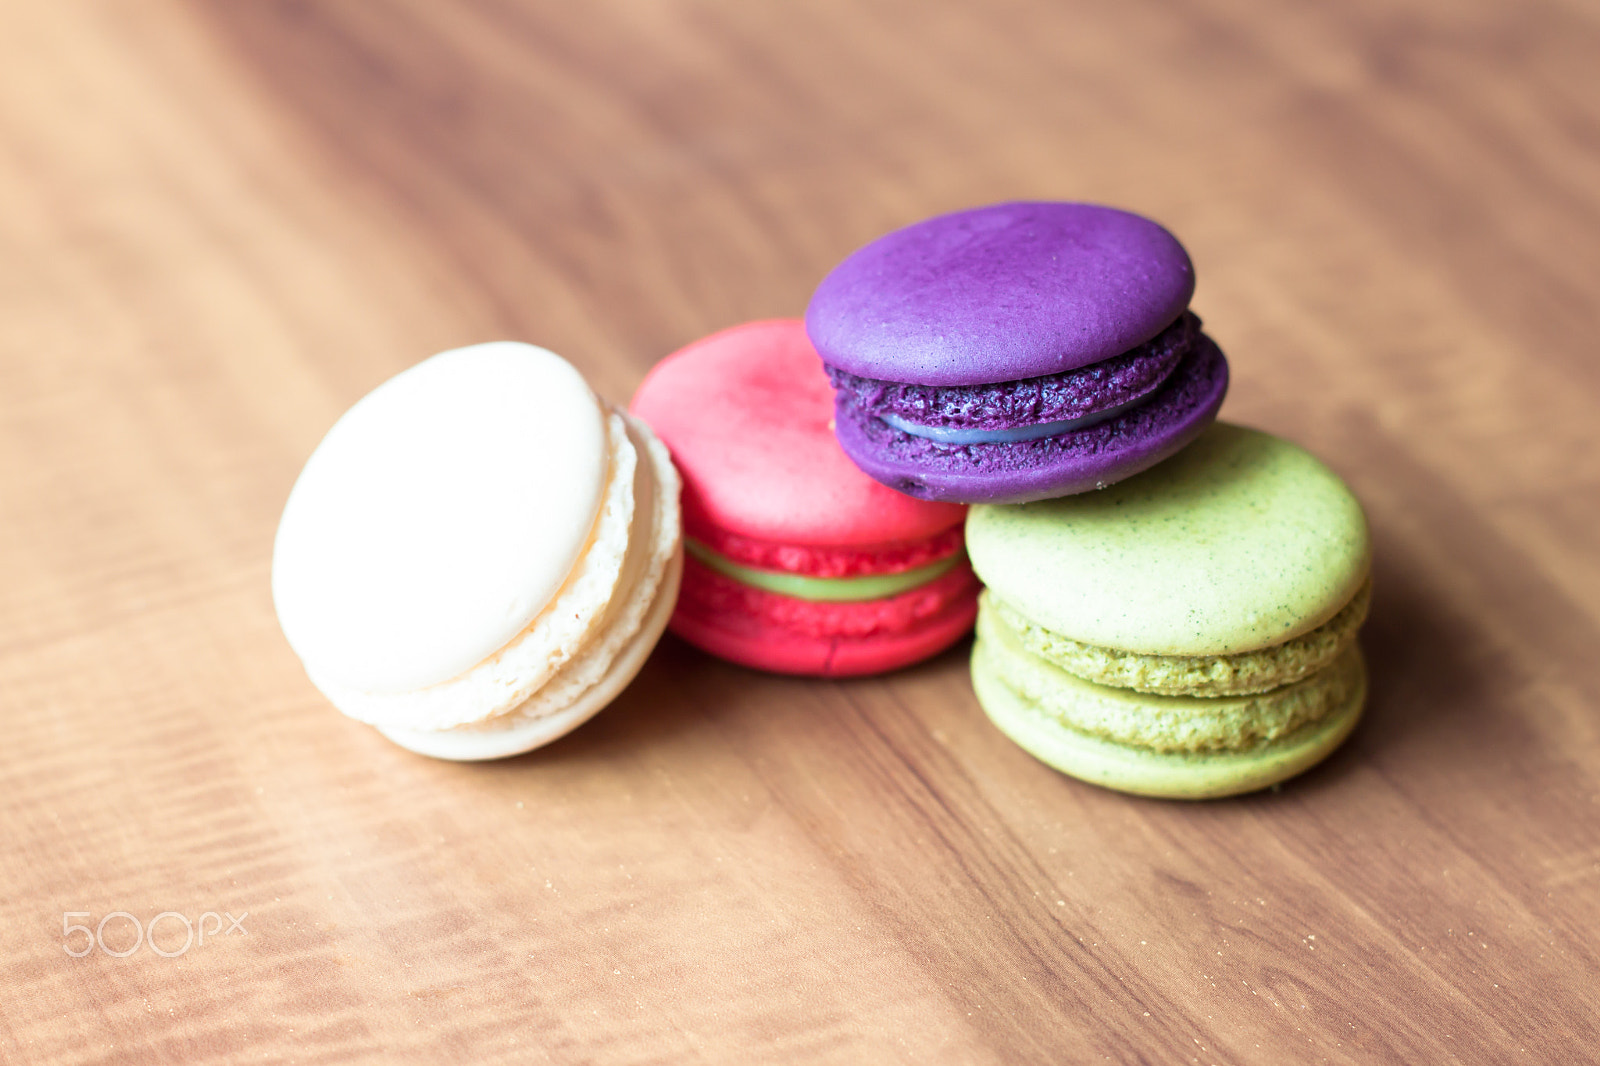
221,223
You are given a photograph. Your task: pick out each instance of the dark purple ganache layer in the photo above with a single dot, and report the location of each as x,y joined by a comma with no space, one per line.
1113,382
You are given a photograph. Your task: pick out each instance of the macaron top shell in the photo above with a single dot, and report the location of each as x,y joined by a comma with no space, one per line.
439,516
1239,542
747,414
1000,293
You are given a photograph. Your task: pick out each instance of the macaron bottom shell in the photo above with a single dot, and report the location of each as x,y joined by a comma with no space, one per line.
514,734
1162,774
1024,471
781,634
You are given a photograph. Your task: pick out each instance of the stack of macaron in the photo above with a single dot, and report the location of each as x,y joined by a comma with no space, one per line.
481,553
1171,603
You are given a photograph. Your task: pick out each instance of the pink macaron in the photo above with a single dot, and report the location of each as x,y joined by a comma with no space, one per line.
797,561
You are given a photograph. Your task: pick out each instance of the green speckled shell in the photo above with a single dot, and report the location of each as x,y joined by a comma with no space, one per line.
1169,775
1240,542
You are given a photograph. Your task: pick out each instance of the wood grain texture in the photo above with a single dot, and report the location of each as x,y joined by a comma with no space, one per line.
223,222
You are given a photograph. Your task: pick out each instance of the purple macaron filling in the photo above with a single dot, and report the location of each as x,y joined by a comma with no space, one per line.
1007,411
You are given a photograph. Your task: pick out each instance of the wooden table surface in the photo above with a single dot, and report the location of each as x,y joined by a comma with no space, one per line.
223,222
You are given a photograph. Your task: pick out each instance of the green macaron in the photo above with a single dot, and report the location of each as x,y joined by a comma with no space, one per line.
1188,632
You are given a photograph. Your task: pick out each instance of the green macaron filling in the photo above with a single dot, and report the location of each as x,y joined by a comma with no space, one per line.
823,589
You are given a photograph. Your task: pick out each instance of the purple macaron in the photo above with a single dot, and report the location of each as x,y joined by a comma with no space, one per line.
1016,352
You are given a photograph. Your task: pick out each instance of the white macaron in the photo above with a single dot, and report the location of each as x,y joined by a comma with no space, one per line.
480,554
